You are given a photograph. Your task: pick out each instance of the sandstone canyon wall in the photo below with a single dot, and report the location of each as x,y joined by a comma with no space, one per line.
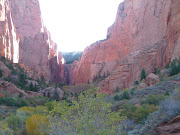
24,39
146,34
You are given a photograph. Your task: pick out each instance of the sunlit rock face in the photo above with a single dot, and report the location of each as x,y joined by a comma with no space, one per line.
146,34
9,41
23,37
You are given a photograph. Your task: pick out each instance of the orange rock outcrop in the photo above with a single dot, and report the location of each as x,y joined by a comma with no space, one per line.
23,37
146,34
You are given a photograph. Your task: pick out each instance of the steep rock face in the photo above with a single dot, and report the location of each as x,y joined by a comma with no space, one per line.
58,69
145,35
23,37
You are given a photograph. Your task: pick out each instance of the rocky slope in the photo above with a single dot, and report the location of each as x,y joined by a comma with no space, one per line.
146,34
24,39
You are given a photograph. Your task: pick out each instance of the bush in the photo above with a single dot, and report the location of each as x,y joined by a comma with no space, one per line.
28,110
167,66
13,102
143,74
34,122
124,95
136,83
137,114
174,70
56,95
8,101
116,98
4,129
50,105
153,99
175,66
7,79
117,90
168,109
1,73
91,114
143,112
21,95
128,111
14,122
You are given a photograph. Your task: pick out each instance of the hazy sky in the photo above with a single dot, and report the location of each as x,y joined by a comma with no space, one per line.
76,24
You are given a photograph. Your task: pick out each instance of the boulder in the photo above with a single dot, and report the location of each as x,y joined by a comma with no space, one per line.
152,79
170,128
142,86
52,91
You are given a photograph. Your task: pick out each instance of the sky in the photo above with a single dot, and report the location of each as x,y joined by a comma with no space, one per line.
76,24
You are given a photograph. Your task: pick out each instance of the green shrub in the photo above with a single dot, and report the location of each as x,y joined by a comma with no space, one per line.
158,71
21,95
117,90
7,79
14,122
49,94
4,129
91,114
128,110
167,93
1,73
125,95
173,63
116,98
31,88
168,109
143,112
56,95
136,83
137,114
174,70
132,91
167,66
50,105
153,99
8,101
175,67
143,74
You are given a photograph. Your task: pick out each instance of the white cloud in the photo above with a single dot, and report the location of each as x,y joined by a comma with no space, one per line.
75,24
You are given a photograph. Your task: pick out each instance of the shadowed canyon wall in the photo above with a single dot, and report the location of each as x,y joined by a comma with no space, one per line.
146,34
24,39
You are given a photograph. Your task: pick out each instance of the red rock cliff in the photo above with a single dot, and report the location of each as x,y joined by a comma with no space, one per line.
23,37
146,34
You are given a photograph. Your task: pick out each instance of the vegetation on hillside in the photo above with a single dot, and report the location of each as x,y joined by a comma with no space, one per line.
72,56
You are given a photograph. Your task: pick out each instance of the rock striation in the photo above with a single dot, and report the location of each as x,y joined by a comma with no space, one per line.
170,128
23,37
146,34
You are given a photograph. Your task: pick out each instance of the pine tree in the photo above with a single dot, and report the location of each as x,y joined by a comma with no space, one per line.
49,95
31,87
56,95
143,74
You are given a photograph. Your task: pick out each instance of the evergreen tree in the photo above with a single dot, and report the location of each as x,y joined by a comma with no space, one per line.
31,88
49,95
143,74
56,95
35,88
